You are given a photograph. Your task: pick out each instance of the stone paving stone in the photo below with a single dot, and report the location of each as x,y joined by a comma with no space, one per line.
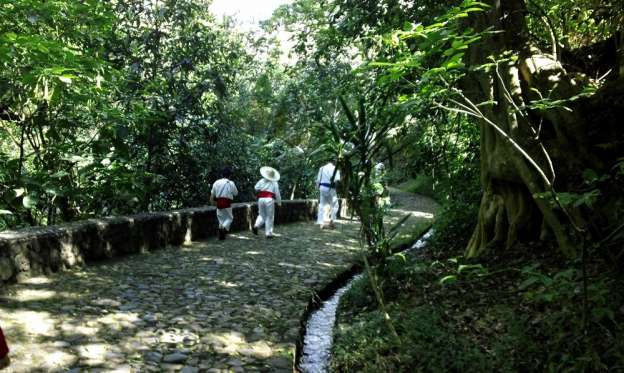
211,306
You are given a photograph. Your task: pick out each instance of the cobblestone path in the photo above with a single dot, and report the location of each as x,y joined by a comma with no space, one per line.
212,306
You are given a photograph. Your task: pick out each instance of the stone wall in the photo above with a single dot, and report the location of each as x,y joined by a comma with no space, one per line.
44,250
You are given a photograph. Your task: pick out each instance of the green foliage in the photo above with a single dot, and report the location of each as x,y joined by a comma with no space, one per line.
447,318
432,347
421,184
457,218
572,24
557,297
119,107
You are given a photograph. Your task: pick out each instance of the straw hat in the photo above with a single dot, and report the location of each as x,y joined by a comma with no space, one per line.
269,173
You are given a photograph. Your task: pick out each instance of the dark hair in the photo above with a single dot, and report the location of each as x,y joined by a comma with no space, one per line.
226,172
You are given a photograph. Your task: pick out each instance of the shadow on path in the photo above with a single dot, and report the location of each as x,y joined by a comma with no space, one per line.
213,306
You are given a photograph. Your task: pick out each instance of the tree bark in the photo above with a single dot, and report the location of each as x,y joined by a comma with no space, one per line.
517,203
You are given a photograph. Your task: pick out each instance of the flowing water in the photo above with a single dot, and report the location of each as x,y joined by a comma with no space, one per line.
318,338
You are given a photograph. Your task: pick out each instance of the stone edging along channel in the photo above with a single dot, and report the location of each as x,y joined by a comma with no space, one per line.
326,291
44,250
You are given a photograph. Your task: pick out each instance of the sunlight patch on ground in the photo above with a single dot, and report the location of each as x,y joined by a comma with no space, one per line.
34,323
336,245
290,265
29,295
118,321
218,261
233,343
325,264
172,337
227,284
94,353
58,359
37,280
240,237
424,215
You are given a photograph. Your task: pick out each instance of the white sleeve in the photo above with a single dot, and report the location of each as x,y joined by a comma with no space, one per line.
337,178
278,197
257,187
320,176
233,189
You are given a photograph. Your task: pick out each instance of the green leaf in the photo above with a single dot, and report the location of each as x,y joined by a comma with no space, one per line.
59,174
448,279
528,282
470,268
10,36
67,79
29,202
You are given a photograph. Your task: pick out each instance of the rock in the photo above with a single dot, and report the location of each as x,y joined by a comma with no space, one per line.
114,356
189,369
104,302
170,367
6,269
234,363
153,356
175,357
260,350
280,362
61,344
122,369
128,307
150,318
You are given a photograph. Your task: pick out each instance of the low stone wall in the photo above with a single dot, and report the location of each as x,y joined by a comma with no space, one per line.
44,250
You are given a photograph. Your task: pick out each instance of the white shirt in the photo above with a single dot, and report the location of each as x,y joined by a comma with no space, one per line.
265,185
224,188
379,169
325,174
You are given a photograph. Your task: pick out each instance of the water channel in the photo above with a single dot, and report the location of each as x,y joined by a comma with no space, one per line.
318,337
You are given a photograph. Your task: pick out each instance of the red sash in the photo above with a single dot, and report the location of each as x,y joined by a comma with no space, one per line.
265,194
4,348
223,203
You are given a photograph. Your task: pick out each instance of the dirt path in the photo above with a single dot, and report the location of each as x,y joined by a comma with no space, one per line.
213,306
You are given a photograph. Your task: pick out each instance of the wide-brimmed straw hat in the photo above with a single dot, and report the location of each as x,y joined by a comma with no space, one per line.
269,173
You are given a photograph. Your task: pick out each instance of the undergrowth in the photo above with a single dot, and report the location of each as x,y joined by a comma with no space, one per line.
421,184
517,311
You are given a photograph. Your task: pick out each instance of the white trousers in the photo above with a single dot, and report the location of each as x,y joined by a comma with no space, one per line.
328,198
225,217
266,213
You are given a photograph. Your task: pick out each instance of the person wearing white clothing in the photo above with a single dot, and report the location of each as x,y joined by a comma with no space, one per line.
267,191
223,192
328,177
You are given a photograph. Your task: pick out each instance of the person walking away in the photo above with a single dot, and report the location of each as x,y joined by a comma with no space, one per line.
268,193
328,177
223,192
4,351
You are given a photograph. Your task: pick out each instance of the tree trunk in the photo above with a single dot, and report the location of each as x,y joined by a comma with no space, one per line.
517,204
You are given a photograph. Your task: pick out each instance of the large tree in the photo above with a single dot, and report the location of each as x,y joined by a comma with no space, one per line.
550,137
